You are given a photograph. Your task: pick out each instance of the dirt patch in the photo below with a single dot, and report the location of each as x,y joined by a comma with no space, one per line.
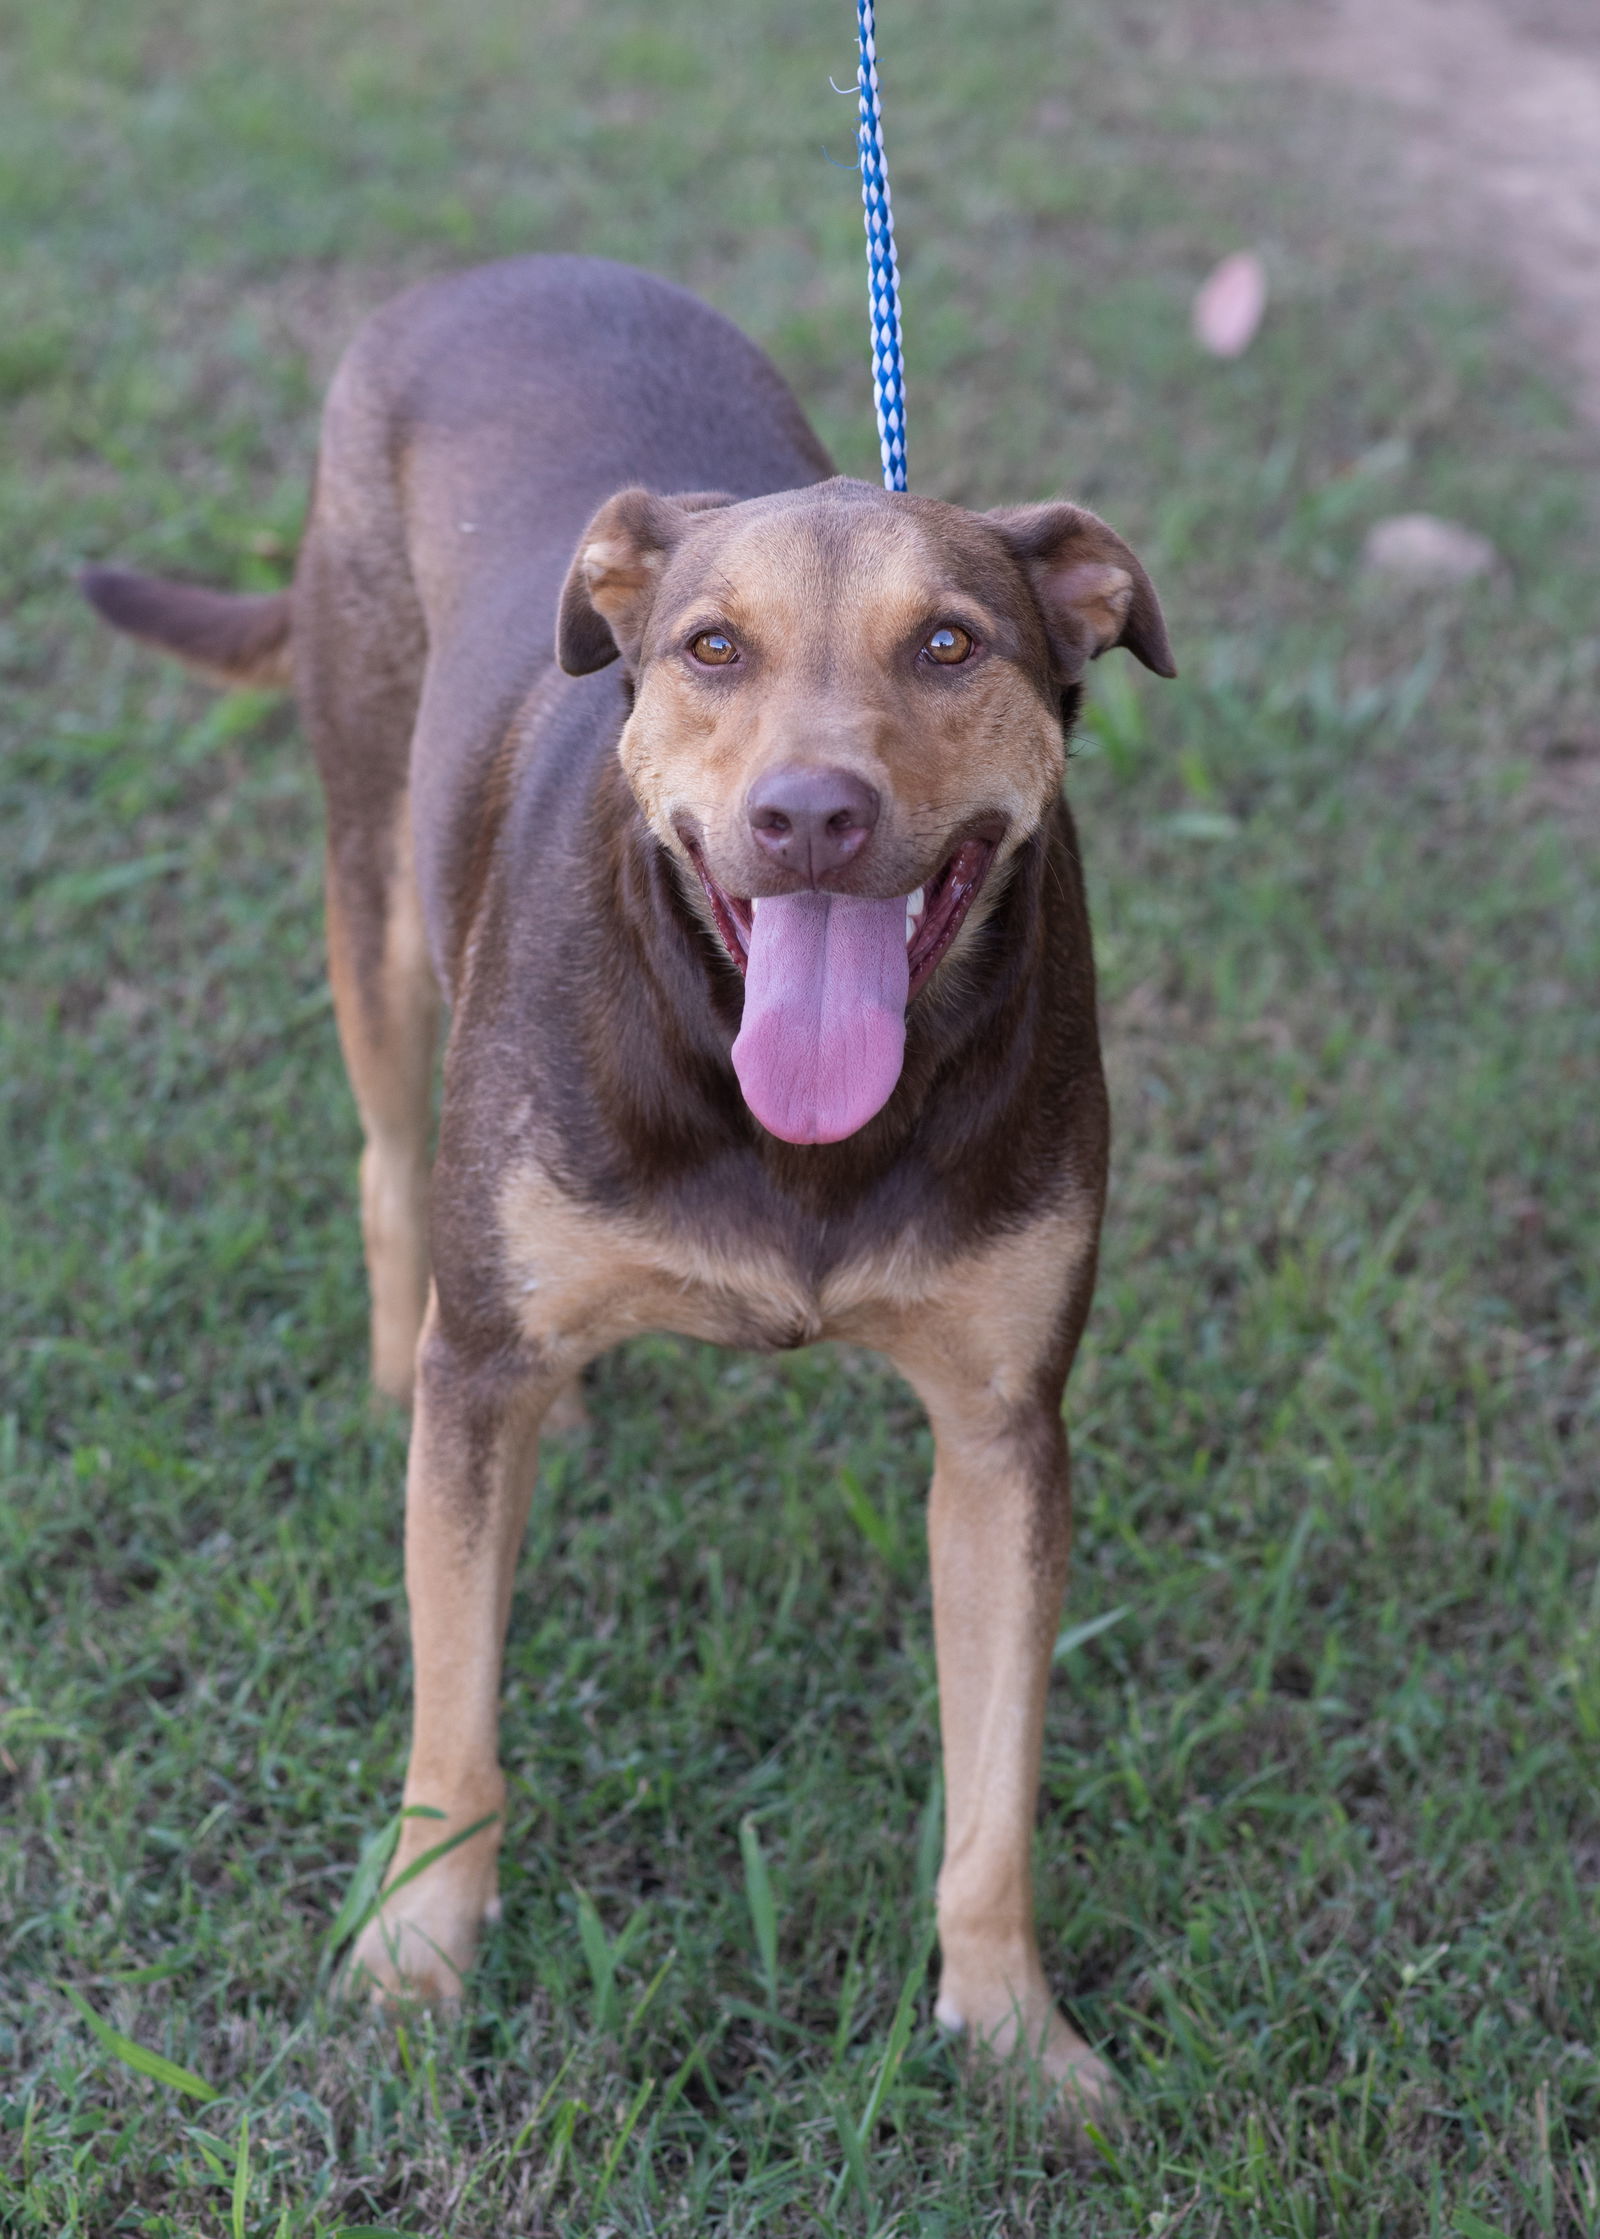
312,310
1502,103
1566,779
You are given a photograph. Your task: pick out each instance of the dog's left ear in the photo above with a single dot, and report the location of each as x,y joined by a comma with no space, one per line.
611,585
1091,589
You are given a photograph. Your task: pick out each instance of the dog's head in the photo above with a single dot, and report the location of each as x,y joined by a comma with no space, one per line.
848,714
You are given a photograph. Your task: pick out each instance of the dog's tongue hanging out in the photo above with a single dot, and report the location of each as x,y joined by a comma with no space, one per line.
824,1030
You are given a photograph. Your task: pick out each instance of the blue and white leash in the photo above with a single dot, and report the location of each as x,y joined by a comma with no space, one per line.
883,274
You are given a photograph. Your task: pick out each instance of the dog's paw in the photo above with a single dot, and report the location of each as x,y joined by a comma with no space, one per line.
1034,2038
420,1944
416,1950
1084,2085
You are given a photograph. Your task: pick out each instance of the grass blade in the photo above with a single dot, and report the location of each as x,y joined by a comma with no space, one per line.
80,890
855,2138
1283,1586
899,2033
139,2057
419,1865
602,1959
930,1840
650,1989
874,1528
763,1906
365,1883
640,2100
855,2160
241,2178
1077,1636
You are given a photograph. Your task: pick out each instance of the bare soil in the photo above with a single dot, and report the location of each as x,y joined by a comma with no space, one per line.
1502,106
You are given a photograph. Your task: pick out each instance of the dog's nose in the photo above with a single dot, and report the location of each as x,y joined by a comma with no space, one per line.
811,820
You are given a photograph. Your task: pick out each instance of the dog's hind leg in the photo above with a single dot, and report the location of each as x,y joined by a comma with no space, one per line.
386,1000
474,1451
360,644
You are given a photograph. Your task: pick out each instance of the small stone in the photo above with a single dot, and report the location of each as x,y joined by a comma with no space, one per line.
1422,549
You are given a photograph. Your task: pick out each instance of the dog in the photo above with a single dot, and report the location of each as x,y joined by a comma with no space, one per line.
720,798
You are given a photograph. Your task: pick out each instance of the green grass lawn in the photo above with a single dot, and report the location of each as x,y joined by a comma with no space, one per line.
1319,1839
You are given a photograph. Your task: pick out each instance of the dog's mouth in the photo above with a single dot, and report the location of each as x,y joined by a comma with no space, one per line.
827,980
934,914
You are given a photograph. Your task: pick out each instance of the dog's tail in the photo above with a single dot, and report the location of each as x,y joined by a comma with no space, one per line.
231,637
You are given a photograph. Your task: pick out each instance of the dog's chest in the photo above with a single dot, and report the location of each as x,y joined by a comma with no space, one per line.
581,1281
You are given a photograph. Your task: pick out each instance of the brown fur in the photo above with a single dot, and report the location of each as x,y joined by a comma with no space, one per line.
522,835
231,639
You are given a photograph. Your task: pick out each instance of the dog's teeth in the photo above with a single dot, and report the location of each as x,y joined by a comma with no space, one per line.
914,905
755,904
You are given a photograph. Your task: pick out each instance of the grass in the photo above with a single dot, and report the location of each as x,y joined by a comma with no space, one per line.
1318,1844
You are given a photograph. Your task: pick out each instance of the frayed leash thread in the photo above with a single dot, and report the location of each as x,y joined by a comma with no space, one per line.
883,274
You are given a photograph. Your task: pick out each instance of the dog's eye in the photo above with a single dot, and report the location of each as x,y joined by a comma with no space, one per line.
948,645
713,649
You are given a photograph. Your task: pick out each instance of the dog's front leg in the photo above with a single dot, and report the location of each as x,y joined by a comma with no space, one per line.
474,1446
999,1529
1000,1534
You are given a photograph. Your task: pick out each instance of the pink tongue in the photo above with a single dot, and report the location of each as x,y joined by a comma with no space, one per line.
824,1028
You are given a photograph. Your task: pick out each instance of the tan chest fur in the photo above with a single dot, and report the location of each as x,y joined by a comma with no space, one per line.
581,1282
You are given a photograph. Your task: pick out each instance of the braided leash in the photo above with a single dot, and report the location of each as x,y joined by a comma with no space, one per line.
883,274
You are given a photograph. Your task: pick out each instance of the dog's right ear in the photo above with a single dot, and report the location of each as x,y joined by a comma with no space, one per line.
611,585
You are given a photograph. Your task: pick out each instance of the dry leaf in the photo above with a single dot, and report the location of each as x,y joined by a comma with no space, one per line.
1228,307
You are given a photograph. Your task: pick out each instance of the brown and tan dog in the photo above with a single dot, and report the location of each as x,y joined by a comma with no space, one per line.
737,846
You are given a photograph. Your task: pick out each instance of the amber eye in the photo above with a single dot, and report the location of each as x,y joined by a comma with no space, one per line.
948,645
713,649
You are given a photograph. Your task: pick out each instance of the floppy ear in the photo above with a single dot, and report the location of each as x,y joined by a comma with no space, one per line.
1091,590
611,585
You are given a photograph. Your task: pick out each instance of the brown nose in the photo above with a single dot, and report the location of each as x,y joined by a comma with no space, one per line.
811,820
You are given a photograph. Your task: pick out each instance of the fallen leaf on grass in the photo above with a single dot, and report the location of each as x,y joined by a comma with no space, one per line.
1230,304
